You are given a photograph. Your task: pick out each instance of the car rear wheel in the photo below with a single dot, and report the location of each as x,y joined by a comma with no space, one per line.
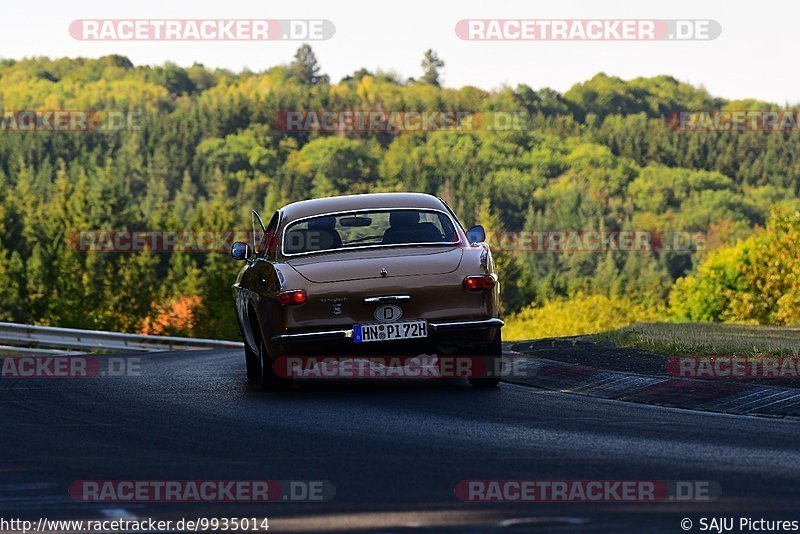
491,353
251,362
270,381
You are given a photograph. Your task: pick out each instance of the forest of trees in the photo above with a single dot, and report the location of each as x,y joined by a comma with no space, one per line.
207,148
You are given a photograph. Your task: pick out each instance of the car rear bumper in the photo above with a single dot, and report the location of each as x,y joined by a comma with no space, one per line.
444,327
477,324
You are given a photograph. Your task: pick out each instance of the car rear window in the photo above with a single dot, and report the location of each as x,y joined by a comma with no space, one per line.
368,228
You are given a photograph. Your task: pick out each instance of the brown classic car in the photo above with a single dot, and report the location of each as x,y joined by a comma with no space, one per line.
377,274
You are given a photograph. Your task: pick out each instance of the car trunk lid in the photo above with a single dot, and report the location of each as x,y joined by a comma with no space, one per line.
365,264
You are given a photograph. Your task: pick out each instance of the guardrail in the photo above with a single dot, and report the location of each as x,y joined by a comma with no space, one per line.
23,338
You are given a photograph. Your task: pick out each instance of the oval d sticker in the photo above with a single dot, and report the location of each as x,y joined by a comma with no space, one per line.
388,312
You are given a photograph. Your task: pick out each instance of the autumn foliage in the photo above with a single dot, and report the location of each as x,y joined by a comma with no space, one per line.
175,317
757,281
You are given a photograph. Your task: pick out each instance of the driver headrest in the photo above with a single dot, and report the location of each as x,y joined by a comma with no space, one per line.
320,223
403,218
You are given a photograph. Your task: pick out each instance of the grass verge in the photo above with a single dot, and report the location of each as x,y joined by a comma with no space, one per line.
706,339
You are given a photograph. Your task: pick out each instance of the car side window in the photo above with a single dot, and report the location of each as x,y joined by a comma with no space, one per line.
270,236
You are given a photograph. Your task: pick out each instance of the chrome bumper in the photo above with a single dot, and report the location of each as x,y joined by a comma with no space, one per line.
321,335
478,324
331,335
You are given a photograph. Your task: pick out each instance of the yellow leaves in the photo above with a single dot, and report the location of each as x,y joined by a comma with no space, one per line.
53,101
788,312
583,314
340,93
754,281
118,95
365,90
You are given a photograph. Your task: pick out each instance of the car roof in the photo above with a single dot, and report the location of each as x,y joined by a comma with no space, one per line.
319,206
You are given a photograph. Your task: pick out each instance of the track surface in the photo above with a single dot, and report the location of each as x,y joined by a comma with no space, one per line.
394,451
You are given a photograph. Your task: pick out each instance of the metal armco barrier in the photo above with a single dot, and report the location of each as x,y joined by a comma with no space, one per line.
23,337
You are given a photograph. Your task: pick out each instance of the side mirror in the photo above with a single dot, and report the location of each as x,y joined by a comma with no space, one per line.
476,234
241,251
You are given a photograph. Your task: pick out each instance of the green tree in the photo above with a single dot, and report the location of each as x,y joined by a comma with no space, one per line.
431,66
305,67
332,165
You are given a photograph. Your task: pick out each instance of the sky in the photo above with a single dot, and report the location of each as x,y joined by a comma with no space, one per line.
754,57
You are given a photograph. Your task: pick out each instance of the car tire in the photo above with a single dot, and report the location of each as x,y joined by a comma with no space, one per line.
269,380
491,353
252,364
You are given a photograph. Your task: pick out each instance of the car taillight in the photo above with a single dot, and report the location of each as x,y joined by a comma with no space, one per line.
295,296
480,282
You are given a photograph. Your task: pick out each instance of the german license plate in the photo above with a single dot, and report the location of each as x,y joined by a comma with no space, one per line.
365,333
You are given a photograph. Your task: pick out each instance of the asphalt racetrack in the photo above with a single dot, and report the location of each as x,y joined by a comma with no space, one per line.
394,451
